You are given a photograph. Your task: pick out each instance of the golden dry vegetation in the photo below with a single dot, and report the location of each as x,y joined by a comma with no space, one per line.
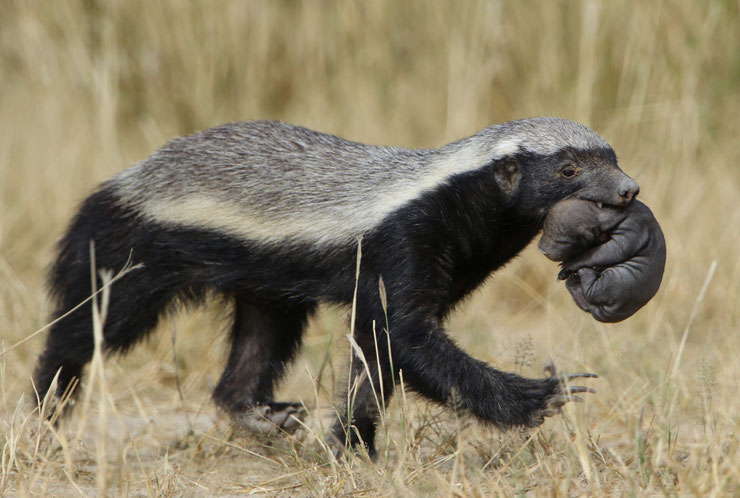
89,87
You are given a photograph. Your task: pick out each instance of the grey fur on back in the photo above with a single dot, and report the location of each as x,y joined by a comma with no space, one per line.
273,182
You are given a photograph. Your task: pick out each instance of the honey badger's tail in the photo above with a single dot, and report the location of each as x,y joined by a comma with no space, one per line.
118,236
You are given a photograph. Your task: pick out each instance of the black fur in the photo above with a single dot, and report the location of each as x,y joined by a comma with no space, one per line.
431,253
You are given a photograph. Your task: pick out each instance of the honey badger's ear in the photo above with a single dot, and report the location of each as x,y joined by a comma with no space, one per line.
506,173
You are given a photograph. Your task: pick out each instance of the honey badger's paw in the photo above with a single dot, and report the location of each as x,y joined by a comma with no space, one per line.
273,417
561,393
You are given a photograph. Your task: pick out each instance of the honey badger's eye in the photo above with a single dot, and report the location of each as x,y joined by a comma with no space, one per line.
569,170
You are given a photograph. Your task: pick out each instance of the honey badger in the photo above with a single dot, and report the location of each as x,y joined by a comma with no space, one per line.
270,214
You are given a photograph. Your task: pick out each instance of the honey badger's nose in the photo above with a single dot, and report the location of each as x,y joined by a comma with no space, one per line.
628,190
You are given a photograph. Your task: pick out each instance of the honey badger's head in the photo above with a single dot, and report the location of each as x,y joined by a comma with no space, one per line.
540,161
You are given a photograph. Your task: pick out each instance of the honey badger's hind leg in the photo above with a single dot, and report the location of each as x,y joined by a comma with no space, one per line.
264,339
136,301
69,345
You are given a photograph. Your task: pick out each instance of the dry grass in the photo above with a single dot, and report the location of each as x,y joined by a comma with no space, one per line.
89,87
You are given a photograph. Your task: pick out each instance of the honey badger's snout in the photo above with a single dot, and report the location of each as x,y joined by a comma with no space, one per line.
628,190
610,187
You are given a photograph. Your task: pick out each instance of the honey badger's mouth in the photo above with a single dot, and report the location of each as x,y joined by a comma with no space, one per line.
603,204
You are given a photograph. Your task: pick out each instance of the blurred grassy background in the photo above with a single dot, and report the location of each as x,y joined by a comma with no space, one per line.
90,87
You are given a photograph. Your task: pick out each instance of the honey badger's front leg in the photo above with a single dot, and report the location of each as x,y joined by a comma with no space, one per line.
435,367
439,369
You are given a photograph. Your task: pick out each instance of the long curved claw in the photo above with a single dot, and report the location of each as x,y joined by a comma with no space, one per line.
559,400
552,371
584,375
273,417
562,392
546,412
538,416
579,389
